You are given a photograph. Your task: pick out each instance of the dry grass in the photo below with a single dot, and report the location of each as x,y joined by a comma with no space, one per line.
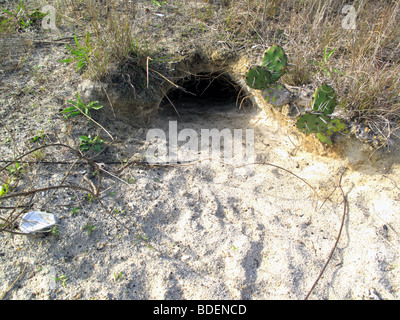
364,66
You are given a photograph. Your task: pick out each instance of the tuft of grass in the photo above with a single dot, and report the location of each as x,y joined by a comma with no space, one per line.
81,54
112,38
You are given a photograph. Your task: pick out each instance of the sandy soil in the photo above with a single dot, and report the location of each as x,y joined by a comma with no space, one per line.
208,230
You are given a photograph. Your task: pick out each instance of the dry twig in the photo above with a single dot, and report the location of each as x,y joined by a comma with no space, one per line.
337,238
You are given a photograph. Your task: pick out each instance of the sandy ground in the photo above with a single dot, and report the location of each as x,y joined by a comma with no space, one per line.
214,231
203,231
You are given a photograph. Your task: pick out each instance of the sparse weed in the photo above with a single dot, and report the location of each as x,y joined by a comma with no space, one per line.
159,3
79,107
325,65
118,276
19,19
62,279
55,231
39,155
74,211
81,54
119,212
16,169
87,143
39,136
90,228
4,188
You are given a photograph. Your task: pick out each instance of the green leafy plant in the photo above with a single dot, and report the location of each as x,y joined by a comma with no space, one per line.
15,169
55,231
39,135
32,19
87,143
81,54
4,189
62,279
7,185
79,107
159,3
18,18
74,211
90,228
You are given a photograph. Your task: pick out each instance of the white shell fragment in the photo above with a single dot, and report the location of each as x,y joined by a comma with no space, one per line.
37,222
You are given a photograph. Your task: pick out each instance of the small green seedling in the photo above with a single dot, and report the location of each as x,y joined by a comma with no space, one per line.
89,197
90,228
15,169
79,107
119,212
87,143
145,239
62,279
6,186
74,211
118,276
39,135
55,231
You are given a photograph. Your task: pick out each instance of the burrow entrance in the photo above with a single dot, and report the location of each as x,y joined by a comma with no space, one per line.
204,92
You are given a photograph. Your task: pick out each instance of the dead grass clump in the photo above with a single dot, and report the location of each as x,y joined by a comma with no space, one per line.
113,40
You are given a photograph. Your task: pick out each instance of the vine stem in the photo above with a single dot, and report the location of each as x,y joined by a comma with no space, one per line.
337,238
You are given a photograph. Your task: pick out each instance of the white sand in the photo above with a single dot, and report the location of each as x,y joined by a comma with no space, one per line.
217,232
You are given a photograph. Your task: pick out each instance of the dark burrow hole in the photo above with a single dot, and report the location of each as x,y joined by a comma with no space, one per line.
205,91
